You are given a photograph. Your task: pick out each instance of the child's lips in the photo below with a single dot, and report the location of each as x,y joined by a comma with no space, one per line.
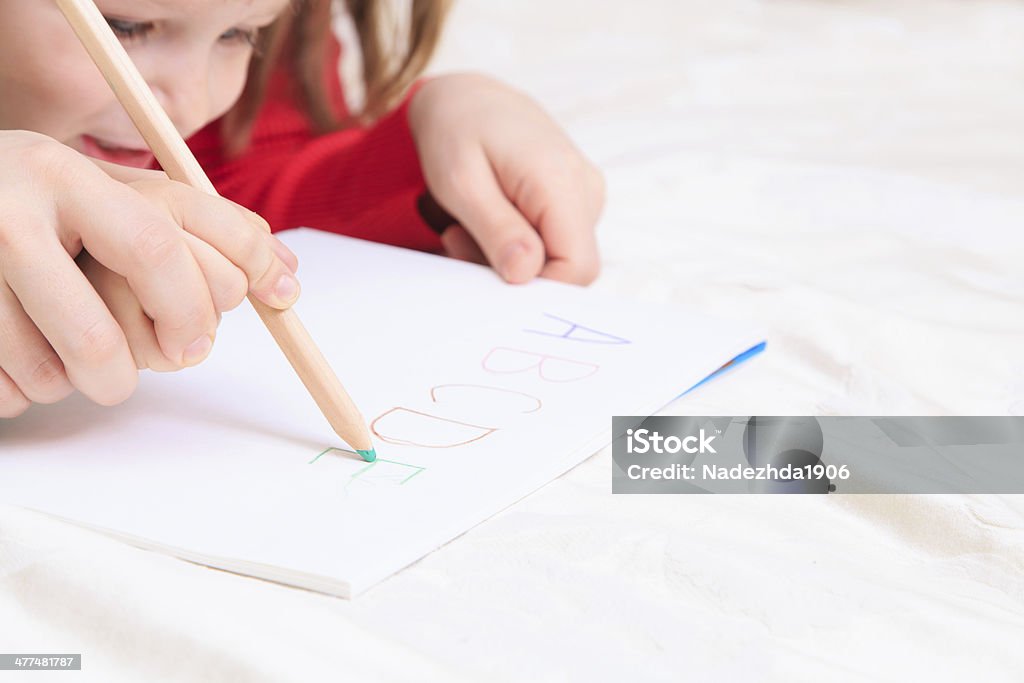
125,156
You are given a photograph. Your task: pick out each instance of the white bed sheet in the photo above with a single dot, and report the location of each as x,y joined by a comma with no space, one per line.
850,176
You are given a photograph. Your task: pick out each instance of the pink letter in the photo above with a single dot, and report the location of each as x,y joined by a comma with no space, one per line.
503,361
431,431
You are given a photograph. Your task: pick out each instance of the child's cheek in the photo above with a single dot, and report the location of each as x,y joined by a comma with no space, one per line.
228,79
74,84
48,82
62,105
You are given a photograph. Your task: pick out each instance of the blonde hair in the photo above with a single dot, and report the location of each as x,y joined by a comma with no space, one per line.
392,57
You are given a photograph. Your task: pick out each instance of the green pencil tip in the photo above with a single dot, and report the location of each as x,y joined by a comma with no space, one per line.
368,456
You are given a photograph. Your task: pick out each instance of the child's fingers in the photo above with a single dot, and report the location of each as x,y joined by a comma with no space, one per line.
142,244
511,245
282,251
571,243
228,285
285,254
565,197
241,236
12,402
578,269
25,355
460,244
76,323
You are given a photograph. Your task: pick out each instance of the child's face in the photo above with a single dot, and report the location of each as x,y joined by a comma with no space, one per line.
193,53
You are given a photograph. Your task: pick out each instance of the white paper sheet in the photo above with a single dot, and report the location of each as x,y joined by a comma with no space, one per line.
478,394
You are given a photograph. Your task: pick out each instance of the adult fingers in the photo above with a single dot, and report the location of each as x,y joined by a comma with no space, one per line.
69,313
28,359
12,402
127,311
144,245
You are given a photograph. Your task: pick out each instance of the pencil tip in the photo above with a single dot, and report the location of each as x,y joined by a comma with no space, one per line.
368,456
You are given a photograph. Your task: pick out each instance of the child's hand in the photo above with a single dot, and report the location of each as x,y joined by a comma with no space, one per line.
227,285
526,200
182,258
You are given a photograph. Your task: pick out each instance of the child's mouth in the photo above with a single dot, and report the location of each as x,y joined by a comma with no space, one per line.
105,151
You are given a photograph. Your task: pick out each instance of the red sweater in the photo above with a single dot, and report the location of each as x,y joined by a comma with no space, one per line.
362,182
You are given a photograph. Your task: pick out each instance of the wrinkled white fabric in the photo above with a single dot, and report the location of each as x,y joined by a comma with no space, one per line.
849,175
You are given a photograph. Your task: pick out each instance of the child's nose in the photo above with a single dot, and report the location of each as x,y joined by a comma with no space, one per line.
186,99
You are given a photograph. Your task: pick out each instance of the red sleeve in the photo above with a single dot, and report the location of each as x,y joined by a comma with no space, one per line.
362,182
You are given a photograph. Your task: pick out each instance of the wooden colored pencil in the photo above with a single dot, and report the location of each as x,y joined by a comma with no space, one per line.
180,164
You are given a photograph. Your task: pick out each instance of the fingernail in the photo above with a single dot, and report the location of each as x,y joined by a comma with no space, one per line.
198,350
287,289
511,257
